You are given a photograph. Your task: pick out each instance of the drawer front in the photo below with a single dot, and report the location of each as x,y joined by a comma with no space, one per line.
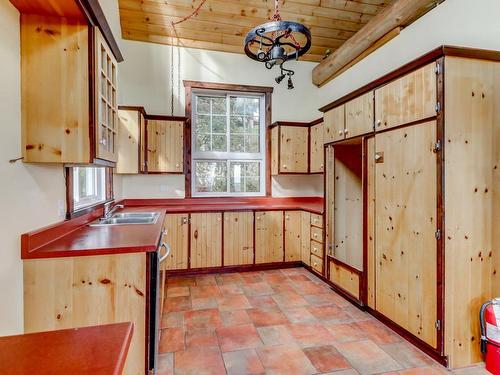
317,249
317,264
317,220
345,278
317,234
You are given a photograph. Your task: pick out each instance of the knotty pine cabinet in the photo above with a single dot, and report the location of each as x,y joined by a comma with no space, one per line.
269,237
131,123
293,234
305,246
165,144
238,238
61,121
206,240
317,163
176,229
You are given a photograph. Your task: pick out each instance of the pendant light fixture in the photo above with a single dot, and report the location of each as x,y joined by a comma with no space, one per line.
277,42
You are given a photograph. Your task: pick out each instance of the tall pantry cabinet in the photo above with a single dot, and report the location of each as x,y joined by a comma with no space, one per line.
413,203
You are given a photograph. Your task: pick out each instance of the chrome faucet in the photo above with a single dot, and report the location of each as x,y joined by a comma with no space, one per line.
108,210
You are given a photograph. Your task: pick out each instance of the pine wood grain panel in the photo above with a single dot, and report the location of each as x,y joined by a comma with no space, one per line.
176,227
293,149
359,115
316,149
275,150
407,99
317,264
317,220
348,206
142,143
317,234
129,133
269,237
238,238
316,249
334,124
344,278
370,215
206,240
405,220
472,127
165,146
293,236
305,238
54,107
83,291
330,200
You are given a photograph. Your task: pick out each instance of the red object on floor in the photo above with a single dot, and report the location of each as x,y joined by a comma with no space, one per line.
492,335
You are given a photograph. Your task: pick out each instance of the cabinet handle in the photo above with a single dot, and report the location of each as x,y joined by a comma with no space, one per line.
184,220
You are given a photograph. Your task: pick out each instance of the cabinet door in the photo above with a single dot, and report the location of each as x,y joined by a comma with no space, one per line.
275,150
128,142
334,124
345,278
330,199
407,99
238,238
269,237
206,240
316,149
293,233
405,228
305,238
176,235
142,143
294,149
106,106
359,116
165,151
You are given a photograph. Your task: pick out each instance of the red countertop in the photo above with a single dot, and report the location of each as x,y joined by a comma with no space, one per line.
75,238
97,350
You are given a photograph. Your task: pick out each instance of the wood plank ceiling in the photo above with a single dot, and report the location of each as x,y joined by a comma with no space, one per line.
221,25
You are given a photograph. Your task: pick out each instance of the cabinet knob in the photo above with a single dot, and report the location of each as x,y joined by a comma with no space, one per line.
285,166
346,131
177,165
379,122
103,141
321,166
184,220
341,132
315,235
287,217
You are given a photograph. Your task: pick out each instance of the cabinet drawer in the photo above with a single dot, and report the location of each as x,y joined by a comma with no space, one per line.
345,278
317,234
317,220
317,249
317,263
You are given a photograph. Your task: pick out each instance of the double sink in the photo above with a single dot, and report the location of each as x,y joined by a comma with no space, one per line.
127,218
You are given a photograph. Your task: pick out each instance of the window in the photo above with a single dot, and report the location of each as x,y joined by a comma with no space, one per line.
87,186
228,144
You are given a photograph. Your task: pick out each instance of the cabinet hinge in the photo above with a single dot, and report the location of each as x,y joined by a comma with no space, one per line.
437,146
438,325
438,107
438,68
438,234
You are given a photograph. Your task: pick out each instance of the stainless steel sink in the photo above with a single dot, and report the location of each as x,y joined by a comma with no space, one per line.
127,218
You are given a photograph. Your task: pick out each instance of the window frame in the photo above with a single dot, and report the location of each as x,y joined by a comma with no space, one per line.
228,156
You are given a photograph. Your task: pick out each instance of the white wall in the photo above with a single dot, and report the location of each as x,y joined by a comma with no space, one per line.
29,194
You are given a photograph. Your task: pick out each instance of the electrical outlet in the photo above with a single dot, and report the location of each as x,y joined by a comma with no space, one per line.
163,188
61,209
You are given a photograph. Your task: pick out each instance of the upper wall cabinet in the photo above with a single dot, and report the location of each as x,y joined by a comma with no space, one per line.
407,99
131,121
293,149
359,116
317,164
69,109
165,145
334,124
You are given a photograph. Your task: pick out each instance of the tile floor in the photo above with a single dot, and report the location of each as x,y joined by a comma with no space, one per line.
279,322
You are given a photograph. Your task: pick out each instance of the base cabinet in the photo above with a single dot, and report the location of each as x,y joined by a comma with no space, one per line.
269,237
293,236
346,279
176,229
238,238
206,240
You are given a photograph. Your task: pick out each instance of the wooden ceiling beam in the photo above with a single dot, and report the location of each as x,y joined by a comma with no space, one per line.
397,14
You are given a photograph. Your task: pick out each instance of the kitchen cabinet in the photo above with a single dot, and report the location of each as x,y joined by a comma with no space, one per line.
293,232
131,123
293,149
269,237
165,144
206,240
238,238
176,229
359,116
305,238
334,124
346,279
316,148
61,122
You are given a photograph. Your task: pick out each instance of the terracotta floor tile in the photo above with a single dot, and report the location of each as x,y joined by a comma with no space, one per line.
366,357
201,338
171,340
251,278
330,314
165,364
230,289
283,287
299,315
204,303
261,317
431,371
263,302
345,332
293,271
322,299
298,277
285,360
235,317
407,355
289,299
205,291
205,280
326,358
274,278
238,302
199,361
275,335
243,362
310,334
377,332
257,289
342,372
238,337
177,304
356,313
181,281
309,287
201,319
469,370
228,279
172,319
178,291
